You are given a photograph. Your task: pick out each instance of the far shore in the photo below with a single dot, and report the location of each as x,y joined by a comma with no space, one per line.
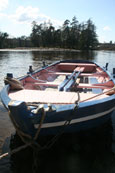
40,49
46,49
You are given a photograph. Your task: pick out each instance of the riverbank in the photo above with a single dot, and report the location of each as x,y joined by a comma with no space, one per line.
101,46
40,49
106,46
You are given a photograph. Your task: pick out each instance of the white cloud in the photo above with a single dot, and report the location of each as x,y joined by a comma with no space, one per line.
29,14
25,15
107,28
3,4
20,21
43,18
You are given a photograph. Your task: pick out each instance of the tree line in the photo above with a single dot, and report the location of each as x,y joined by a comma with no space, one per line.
72,34
7,42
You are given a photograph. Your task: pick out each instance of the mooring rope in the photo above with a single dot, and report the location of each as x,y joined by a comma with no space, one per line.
14,83
29,141
40,125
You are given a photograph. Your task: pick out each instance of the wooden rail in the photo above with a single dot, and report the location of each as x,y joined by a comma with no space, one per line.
53,84
81,74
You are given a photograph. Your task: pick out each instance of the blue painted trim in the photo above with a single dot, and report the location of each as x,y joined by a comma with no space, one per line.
4,96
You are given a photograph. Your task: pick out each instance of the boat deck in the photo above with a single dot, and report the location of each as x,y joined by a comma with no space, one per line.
53,97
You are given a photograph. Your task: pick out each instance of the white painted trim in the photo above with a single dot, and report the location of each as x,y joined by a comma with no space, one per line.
55,124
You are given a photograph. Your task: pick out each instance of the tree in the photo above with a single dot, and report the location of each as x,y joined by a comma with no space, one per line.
36,34
74,33
49,35
3,39
88,37
57,38
65,36
71,35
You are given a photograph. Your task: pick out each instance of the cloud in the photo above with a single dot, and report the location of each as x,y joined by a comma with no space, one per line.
107,28
43,18
26,15
3,4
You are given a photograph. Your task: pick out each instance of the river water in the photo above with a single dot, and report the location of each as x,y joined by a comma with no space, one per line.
92,151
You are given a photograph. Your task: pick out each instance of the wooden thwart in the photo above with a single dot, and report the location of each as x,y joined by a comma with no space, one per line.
53,97
81,85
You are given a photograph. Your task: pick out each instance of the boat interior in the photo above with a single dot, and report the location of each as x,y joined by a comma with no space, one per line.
61,82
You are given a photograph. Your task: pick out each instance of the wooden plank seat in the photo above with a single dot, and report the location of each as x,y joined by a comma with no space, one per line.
81,74
53,97
60,73
68,83
47,84
77,64
71,66
52,84
81,69
94,74
65,85
93,86
45,96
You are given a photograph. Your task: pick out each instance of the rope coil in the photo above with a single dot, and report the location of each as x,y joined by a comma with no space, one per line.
14,83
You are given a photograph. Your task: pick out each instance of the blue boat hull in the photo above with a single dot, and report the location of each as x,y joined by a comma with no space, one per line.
67,119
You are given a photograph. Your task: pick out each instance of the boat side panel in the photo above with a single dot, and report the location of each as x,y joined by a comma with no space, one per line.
82,119
63,114
74,128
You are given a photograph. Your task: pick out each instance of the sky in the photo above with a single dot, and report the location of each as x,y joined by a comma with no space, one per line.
16,16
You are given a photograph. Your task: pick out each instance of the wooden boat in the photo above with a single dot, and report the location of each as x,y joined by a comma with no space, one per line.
66,96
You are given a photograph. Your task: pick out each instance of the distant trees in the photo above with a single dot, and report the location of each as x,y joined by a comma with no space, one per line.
88,36
70,35
43,35
7,42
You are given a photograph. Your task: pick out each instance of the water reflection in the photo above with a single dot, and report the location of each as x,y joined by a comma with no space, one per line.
83,152
17,62
60,55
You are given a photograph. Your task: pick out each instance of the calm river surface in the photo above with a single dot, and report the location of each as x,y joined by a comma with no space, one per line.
92,151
